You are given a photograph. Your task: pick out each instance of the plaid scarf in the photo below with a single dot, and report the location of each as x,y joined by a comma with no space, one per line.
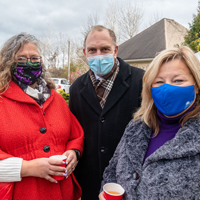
104,85
40,93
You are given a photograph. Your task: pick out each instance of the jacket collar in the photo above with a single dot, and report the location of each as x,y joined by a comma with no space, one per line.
15,93
185,143
119,88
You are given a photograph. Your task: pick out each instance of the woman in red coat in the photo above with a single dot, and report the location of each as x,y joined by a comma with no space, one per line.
36,123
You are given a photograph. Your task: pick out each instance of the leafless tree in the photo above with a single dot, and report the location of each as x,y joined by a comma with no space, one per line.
92,20
111,15
130,17
157,16
77,54
112,18
63,45
50,48
124,19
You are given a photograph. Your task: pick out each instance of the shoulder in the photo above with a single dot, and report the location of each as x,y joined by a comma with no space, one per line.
137,129
132,68
192,124
57,97
81,80
129,72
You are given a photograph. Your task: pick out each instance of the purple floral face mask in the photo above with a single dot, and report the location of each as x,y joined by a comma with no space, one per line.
27,72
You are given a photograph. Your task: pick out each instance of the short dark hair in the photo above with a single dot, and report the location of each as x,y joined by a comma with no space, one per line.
101,28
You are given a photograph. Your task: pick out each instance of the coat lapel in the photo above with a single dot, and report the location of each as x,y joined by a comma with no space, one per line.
89,94
120,86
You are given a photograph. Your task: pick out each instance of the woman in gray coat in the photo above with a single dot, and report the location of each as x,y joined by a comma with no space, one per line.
158,156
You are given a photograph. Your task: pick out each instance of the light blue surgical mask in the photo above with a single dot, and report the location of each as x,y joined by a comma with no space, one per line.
101,64
172,100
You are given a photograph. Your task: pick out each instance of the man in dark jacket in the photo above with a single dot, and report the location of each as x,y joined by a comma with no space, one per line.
103,100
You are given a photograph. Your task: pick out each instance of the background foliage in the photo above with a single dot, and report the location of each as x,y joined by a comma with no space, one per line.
192,39
64,95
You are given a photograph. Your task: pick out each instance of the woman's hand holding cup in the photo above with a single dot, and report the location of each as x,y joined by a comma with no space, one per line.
43,168
112,191
58,175
71,161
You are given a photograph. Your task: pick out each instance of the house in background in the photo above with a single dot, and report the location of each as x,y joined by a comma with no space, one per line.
198,55
140,50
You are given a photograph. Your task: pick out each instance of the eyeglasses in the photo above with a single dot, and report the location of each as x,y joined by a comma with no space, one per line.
33,59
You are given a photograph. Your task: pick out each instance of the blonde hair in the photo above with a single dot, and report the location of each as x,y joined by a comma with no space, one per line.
7,58
147,111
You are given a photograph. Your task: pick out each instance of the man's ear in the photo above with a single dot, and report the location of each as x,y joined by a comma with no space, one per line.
115,52
84,52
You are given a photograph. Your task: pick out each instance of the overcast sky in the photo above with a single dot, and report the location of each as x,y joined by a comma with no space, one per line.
68,16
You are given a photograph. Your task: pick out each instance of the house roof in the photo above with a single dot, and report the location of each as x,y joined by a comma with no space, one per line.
162,35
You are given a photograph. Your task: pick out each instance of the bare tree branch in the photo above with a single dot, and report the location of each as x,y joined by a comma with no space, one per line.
130,16
92,20
155,18
63,44
111,18
50,48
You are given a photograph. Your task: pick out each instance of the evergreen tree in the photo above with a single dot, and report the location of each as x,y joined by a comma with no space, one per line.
192,39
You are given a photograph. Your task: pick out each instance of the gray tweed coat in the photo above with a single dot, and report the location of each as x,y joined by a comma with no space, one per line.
171,172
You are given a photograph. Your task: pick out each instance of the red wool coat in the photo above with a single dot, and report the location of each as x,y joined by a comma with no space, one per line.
21,136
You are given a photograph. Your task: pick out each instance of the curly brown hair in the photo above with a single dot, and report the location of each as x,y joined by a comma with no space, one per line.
7,58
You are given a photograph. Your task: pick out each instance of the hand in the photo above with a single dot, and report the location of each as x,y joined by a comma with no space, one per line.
43,168
101,197
71,160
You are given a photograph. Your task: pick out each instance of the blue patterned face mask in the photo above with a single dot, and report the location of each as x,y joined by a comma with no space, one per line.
172,100
101,64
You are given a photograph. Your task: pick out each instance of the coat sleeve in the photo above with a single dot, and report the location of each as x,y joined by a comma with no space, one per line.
76,135
4,155
6,189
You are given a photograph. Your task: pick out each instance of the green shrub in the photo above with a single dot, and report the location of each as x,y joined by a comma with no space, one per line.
64,95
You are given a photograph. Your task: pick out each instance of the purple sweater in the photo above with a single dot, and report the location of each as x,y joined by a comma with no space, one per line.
168,129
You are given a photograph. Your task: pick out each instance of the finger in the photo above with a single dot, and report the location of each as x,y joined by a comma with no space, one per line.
101,196
70,169
72,162
55,161
51,179
69,172
70,158
65,154
57,168
71,165
57,173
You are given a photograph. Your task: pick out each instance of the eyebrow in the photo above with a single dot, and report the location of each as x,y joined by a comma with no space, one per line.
173,77
106,46
22,55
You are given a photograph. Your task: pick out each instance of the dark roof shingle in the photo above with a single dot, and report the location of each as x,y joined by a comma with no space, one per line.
149,42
